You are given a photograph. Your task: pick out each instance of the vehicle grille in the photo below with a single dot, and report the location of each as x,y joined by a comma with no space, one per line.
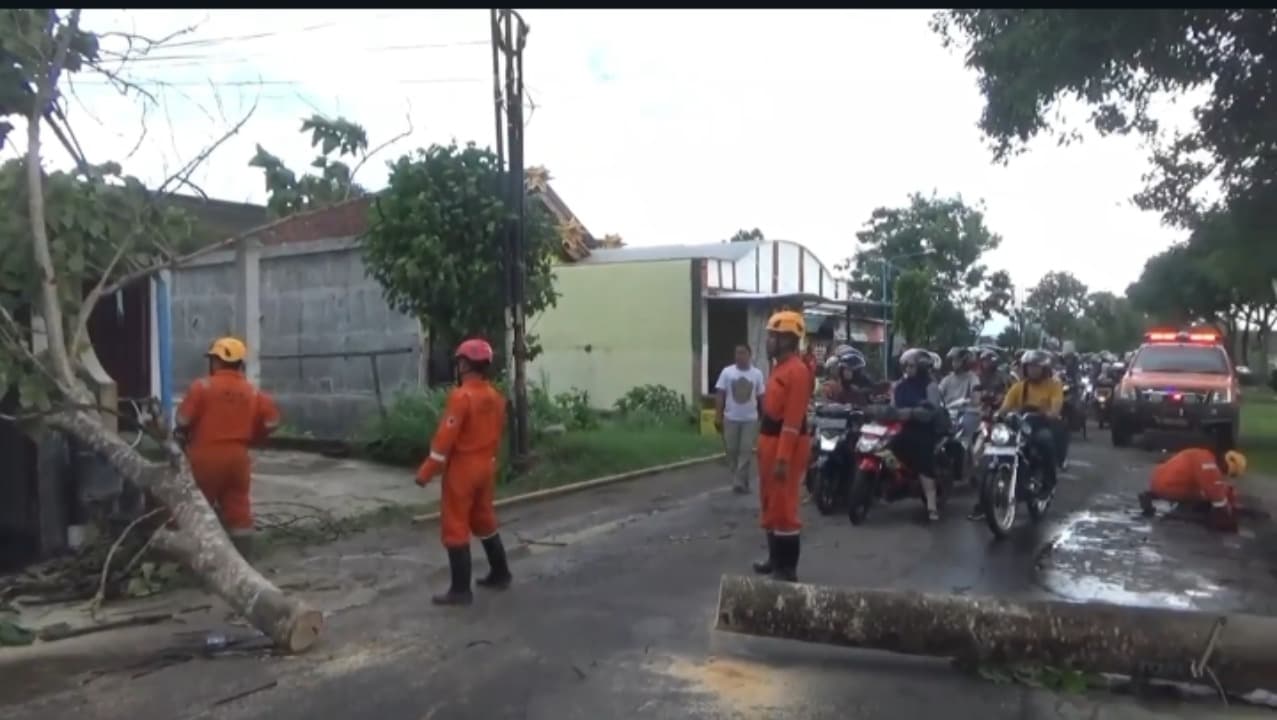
1186,398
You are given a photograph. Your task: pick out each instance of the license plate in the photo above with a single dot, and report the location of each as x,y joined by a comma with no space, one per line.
999,450
1173,421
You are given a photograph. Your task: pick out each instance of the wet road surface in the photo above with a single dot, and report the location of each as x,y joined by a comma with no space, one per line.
615,596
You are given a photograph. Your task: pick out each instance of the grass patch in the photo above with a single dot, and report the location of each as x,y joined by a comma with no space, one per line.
1259,430
607,450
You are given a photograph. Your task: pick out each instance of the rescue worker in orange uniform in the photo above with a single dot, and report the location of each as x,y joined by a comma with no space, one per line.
784,445
218,419
464,449
1196,477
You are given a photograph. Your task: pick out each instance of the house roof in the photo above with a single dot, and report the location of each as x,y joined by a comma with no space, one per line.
350,218
655,253
219,218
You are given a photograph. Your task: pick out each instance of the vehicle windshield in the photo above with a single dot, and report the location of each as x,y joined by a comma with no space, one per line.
1182,359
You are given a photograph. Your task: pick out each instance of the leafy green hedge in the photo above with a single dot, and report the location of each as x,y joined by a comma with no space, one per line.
402,437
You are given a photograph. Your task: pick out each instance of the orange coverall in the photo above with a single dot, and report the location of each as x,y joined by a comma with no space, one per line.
1193,476
465,448
224,414
783,435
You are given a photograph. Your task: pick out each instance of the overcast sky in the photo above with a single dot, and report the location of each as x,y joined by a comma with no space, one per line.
660,126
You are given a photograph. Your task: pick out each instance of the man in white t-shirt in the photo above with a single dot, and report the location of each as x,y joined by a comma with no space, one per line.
739,398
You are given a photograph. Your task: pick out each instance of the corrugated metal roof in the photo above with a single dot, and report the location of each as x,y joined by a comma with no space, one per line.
654,253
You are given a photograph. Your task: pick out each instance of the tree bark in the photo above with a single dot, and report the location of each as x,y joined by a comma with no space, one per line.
199,540
1095,637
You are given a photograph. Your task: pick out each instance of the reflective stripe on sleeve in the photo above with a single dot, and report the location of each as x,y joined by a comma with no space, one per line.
1220,503
438,456
788,429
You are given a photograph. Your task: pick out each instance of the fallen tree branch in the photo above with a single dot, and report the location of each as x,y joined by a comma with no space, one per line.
1148,643
100,595
199,541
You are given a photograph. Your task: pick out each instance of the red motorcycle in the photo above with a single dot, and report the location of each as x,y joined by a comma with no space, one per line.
880,475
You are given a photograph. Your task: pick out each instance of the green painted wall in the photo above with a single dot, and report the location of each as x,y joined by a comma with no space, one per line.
634,318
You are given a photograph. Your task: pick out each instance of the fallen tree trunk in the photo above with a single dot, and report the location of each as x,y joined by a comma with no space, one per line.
1239,650
198,539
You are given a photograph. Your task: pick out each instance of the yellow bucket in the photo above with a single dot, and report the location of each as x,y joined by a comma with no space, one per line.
707,422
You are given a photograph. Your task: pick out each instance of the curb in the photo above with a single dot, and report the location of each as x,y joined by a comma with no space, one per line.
576,487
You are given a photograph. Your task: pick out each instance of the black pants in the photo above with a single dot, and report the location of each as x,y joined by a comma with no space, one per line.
915,446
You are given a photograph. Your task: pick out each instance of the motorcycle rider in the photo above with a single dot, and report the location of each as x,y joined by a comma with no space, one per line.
993,387
1041,390
961,383
848,383
916,442
993,382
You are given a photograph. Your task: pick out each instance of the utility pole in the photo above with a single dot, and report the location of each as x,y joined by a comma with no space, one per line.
509,37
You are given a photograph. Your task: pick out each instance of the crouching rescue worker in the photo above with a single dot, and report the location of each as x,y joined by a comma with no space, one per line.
464,449
784,445
219,418
1195,478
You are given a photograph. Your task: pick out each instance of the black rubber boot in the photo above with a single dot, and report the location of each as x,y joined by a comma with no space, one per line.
764,567
459,593
788,547
1146,504
498,577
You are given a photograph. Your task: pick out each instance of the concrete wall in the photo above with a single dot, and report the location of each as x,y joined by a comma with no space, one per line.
315,299
616,326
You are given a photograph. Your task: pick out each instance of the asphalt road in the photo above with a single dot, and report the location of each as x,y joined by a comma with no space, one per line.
614,599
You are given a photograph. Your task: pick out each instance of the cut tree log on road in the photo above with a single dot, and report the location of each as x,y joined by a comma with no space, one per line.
199,540
1240,650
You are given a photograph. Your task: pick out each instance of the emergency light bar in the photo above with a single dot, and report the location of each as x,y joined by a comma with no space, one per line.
1184,336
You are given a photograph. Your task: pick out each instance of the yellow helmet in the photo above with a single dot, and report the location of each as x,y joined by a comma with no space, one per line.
787,322
228,349
1236,463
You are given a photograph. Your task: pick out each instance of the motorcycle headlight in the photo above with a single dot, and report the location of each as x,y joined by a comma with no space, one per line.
828,443
1222,397
1000,435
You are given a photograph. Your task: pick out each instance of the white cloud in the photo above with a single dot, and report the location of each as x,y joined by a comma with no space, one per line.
662,126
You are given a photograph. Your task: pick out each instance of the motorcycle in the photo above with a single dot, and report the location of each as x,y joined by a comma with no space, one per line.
879,474
954,453
1010,474
1102,404
1073,411
836,428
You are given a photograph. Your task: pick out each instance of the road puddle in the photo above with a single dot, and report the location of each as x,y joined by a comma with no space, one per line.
1112,554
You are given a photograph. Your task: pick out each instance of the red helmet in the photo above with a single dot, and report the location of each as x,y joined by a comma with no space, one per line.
475,350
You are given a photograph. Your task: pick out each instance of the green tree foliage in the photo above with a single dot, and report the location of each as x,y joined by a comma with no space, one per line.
436,237
946,239
1110,323
1116,61
287,193
913,306
1057,302
742,235
103,227
1222,275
